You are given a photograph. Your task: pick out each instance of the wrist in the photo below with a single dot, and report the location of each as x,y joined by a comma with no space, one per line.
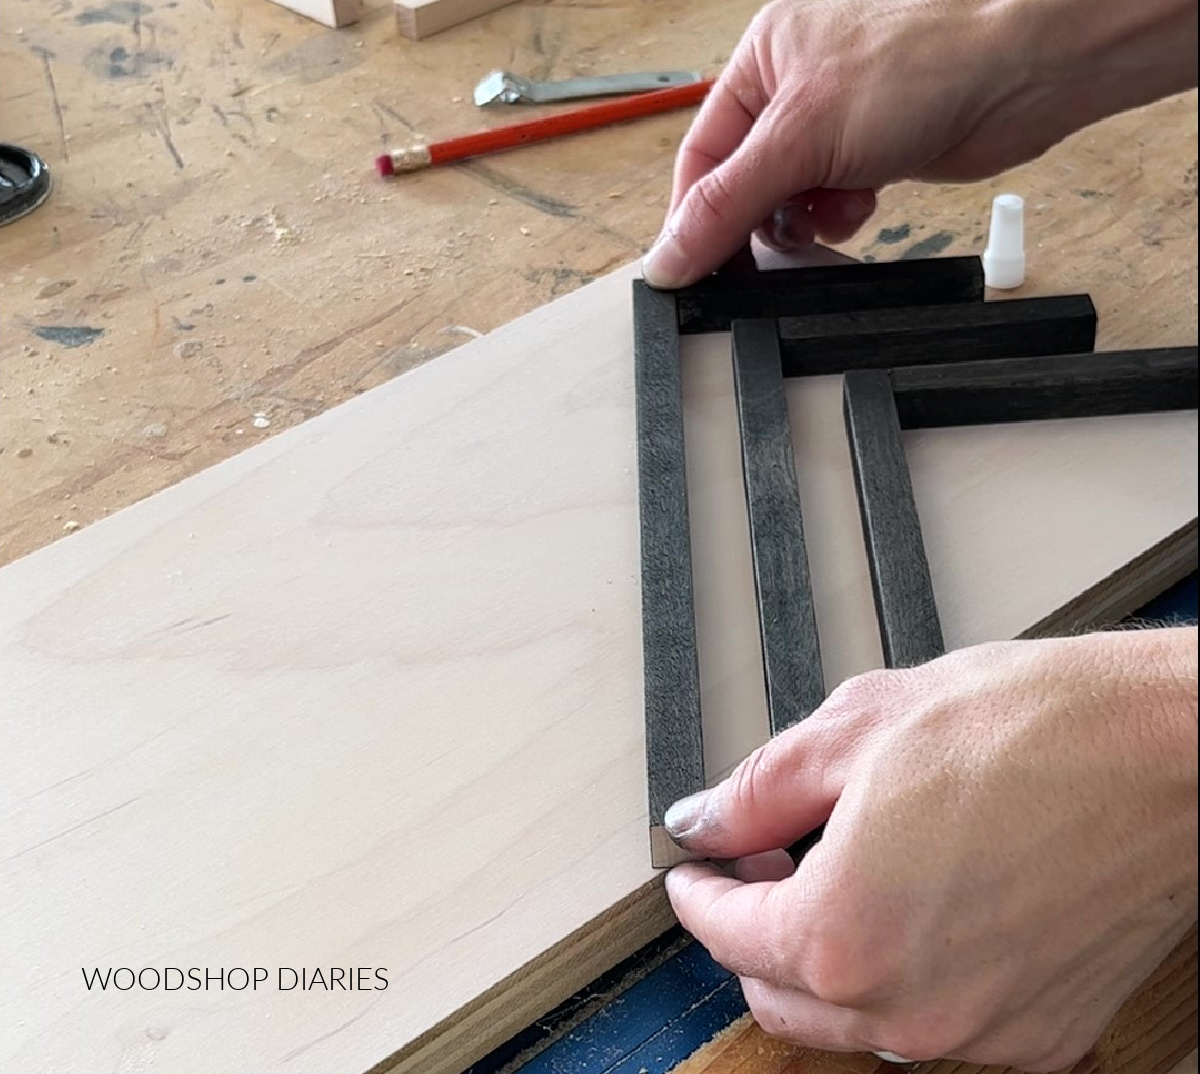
1095,58
1160,686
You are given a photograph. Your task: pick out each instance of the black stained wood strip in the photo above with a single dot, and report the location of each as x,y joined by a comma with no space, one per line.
787,622
674,736
1033,389
927,335
904,602
713,304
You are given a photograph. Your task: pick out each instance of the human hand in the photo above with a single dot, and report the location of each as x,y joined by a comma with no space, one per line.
824,102
1009,850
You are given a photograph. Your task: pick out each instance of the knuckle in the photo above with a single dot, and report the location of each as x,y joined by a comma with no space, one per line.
742,779
989,653
713,199
837,972
749,783
767,20
863,691
921,1038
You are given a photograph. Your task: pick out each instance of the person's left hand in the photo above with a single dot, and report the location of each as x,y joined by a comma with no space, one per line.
1009,850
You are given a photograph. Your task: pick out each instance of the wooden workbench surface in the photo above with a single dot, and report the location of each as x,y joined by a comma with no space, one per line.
219,262
219,247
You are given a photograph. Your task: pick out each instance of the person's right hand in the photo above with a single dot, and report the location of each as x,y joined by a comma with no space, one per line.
826,101
1009,850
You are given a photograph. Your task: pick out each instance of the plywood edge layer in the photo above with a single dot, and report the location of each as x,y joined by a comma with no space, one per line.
423,18
1125,590
539,986
332,13
664,851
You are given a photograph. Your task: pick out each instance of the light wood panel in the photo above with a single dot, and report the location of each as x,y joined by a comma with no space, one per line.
332,13
424,18
369,694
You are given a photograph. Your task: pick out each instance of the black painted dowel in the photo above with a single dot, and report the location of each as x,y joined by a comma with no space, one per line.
904,602
786,618
713,304
1033,389
925,335
674,736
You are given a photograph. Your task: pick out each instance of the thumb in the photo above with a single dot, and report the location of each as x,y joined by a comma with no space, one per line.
716,215
782,791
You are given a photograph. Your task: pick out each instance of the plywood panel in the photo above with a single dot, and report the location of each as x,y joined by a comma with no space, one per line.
332,13
418,19
369,694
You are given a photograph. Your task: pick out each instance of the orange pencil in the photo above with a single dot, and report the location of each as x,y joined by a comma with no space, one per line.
414,158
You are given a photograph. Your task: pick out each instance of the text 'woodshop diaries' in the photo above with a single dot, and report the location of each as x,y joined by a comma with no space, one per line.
235,979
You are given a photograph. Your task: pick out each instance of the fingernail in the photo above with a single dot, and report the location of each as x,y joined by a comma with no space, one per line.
665,266
684,816
794,229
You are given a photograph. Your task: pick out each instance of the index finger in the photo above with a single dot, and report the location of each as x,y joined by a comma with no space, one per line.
738,923
721,125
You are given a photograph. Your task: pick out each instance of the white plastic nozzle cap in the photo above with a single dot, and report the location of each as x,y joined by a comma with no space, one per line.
1004,258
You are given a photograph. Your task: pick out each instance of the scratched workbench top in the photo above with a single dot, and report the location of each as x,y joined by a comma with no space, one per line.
218,260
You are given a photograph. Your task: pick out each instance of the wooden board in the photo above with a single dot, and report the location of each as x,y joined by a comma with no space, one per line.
905,607
424,18
332,13
369,694
787,625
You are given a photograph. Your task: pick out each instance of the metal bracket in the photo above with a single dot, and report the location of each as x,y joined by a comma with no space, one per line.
501,87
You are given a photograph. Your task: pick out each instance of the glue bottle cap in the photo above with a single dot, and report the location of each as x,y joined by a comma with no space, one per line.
1004,258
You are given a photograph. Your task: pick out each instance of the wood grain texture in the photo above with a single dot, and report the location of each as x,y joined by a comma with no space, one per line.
1187,1066
787,623
920,335
909,628
418,19
712,305
191,350
332,13
674,743
744,1049
276,273
370,692
1042,389
1132,587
